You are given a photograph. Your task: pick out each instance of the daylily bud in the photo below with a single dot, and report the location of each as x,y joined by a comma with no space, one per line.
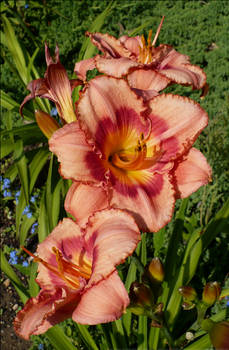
211,293
156,270
188,293
46,123
140,294
218,332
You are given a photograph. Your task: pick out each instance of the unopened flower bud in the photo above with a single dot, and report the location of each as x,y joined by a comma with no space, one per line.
211,293
46,123
140,294
156,270
188,293
218,332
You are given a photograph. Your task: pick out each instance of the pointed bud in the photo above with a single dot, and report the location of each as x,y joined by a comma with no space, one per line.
211,293
188,293
156,270
46,123
218,332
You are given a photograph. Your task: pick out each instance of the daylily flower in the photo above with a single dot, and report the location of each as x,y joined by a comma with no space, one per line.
123,153
150,69
55,86
77,274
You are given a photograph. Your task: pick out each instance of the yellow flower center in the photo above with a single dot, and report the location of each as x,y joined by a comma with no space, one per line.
135,158
66,270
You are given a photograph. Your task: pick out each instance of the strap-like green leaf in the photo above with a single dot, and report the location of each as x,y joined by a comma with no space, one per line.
7,269
86,337
58,339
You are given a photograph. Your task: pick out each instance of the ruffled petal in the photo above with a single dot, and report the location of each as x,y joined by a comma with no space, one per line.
104,302
44,311
111,236
74,153
146,79
176,123
115,67
83,66
177,67
108,105
68,239
108,44
83,200
151,202
192,173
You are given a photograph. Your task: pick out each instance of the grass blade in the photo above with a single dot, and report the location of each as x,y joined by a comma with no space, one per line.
86,337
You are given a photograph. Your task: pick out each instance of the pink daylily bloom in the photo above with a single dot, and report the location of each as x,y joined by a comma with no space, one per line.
55,86
122,56
130,154
77,273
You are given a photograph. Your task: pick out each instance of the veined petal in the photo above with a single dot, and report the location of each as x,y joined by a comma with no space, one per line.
83,66
177,67
47,309
192,173
68,239
115,67
111,236
60,86
72,149
177,122
108,44
146,79
93,198
150,199
108,105
104,302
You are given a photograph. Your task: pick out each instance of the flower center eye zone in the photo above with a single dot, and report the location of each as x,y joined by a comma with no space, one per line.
66,270
130,158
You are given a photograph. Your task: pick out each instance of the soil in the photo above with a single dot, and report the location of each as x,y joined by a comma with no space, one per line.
9,301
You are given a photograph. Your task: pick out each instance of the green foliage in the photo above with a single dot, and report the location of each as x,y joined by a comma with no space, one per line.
191,245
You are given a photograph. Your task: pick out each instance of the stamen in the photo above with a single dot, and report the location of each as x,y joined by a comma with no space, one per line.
63,267
158,31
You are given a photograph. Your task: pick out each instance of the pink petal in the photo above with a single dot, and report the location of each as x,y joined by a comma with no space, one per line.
68,239
82,67
191,173
44,311
146,79
145,94
60,87
177,122
111,236
131,43
83,200
151,202
104,302
115,67
108,44
72,149
38,88
177,67
108,105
